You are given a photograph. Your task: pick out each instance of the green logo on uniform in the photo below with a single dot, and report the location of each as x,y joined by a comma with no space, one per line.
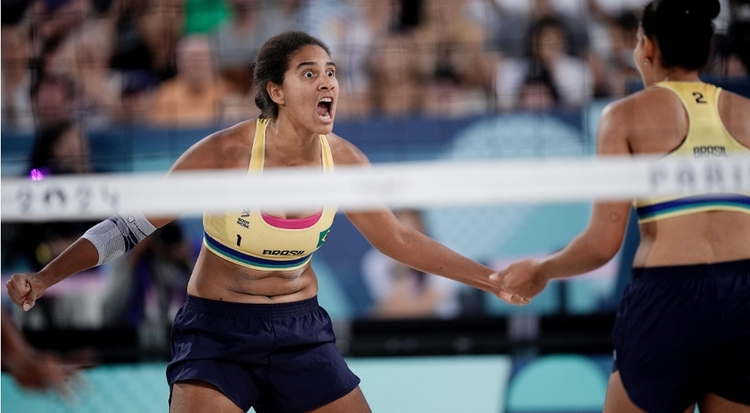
322,237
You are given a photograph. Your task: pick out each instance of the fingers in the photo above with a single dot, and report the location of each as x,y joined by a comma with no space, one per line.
505,296
19,288
514,299
518,300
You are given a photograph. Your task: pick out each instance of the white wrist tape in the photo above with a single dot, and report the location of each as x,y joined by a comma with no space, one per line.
118,234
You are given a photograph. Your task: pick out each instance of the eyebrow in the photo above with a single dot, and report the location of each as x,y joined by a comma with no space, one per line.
303,64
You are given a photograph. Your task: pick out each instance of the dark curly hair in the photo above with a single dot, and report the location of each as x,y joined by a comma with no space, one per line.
683,30
272,62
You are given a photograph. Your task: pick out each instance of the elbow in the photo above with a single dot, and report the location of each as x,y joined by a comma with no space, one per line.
395,247
603,252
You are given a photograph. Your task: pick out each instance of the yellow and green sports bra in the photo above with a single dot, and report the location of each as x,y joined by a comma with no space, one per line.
707,137
256,240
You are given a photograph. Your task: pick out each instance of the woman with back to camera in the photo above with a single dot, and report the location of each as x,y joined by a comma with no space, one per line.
251,333
682,332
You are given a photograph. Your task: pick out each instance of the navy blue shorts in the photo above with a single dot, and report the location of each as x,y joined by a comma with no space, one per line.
682,332
272,357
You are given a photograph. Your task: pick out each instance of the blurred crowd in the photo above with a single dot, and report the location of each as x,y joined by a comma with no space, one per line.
187,63
74,66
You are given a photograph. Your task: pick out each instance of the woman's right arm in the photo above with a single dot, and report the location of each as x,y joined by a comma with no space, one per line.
114,236
102,243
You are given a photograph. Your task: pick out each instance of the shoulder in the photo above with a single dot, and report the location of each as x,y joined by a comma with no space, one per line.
734,109
735,103
619,122
654,104
225,149
639,102
344,152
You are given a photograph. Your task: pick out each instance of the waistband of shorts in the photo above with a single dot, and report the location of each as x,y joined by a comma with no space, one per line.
246,310
726,268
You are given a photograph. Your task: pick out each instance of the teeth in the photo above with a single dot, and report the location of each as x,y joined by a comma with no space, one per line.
326,100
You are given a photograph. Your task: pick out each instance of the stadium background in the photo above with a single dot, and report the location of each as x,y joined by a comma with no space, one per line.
421,80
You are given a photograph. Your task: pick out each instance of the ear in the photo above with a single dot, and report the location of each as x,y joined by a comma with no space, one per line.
650,49
276,93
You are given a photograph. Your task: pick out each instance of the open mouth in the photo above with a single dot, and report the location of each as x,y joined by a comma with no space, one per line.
324,108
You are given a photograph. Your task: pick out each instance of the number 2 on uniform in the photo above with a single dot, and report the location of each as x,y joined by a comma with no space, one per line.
239,239
698,97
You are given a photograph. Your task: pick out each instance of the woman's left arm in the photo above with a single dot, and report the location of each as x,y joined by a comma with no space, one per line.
601,239
383,230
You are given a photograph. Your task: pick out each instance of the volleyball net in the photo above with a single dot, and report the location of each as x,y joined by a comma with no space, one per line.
395,185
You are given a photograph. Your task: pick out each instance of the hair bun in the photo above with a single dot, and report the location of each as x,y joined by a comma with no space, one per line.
705,10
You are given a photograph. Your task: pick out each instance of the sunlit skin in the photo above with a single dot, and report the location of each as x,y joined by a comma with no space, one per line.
652,121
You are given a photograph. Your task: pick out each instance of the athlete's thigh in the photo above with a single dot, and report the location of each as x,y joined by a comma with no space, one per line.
354,402
712,403
617,400
195,396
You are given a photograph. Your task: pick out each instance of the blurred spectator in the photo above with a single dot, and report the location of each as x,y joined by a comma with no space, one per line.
446,96
61,148
403,292
458,71
611,9
56,58
548,47
606,13
55,19
53,101
38,370
137,96
99,86
149,284
397,88
619,63
538,94
16,78
147,36
194,97
516,18
370,22
739,33
286,14
237,40
732,66
450,43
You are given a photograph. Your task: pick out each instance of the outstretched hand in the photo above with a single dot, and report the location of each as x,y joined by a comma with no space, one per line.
520,281
42,370
25,289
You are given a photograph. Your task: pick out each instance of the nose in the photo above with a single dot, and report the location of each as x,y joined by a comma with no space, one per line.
326,84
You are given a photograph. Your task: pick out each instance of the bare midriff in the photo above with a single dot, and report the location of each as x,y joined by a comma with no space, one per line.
701,238
215,278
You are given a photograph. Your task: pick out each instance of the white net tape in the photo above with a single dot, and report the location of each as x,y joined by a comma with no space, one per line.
416,184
